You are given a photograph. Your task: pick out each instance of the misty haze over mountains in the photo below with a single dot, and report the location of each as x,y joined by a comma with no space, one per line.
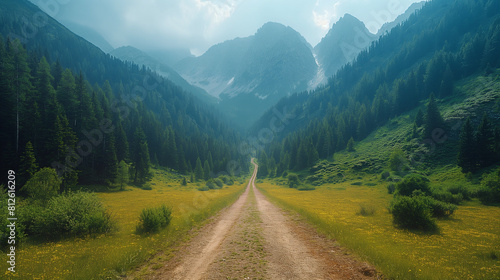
246,76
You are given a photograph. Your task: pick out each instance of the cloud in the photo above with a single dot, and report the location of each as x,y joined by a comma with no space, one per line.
199,24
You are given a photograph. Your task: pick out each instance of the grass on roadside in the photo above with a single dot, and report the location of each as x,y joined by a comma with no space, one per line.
465,248
110,256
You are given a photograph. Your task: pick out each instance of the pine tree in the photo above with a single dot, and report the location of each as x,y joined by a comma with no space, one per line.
67,97
446,88
140,157
122,146
467,148
350,145
21,84
485,143
122,175
198,170
263,169
206,170
28,165
419,118
433,118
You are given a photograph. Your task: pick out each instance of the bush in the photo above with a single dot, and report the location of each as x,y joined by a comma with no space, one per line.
153,219
397,160
43,185
489,193
4,214
365,210
391,188
447,196
212,184
293,181
456,190
411,183
438,208
70,214
227,180
219,183
412,213
203,188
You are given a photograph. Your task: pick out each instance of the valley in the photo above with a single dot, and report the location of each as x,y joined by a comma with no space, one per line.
365,154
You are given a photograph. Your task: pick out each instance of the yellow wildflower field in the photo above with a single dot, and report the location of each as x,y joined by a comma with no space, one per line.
108,256
467,246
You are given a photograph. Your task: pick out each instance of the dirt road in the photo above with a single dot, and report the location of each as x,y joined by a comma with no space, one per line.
254,239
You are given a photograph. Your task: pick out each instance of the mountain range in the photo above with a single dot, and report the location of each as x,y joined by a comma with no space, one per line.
247,76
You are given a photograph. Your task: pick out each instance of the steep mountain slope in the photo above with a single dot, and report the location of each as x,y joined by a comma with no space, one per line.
90,35
250,74
140,58
444,43
386,27
345,40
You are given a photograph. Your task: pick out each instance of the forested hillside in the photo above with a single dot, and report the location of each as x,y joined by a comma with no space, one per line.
445,42
66,104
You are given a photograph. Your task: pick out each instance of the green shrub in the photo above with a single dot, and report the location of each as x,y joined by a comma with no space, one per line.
211,184
366,210
489,193
391,188
438,208
4,214
203,188
43,185
219,183
447,196
412,213
293,181
466,194
397,160
227,180
411,183
70,214
153,219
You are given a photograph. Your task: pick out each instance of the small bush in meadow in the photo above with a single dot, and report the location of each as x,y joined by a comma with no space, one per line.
211,184
69,214
438,208
219,183
411,183
227,180
203,188
293,181
366,210
153,219
412,213
447,196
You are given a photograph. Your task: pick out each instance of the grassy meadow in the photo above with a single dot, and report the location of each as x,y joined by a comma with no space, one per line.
112,255
467,246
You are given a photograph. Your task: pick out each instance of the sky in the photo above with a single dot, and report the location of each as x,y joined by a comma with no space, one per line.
199,24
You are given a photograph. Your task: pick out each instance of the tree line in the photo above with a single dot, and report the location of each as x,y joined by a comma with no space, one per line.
53,117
